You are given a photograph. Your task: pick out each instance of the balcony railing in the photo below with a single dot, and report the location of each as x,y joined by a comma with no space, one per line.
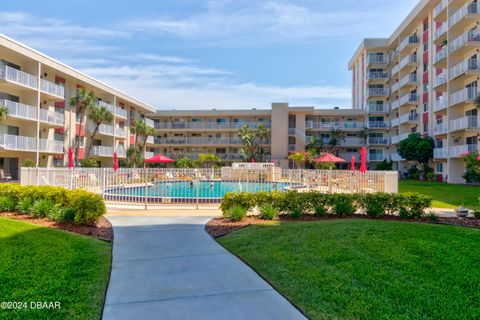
120,132
377,124
148,154
107,106
440,55
380,59
338,125
17,76
464,67
467,122
104,129
121,153
464,95
208,125
408,41
440,7
102,151
440,31
459,151
52,117
408,79
121,112
50,146
400,137
409,117
395,104
408,98
376,157
440,79
29,144
378,91
462,40
441,128
377,75
395,69
378,140
466,9
440,103
52,88
149,122
374,107
396,157
20,110
201,141
411,59
440,153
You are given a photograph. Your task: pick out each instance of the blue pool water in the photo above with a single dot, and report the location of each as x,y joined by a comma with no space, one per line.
189,190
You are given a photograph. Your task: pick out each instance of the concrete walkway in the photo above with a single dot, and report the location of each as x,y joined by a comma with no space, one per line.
170,268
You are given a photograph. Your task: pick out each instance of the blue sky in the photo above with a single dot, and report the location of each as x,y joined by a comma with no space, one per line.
209,54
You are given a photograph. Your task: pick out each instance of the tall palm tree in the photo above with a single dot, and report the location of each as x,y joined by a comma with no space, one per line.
337,136
249,142
3,112
363,135
138,127
298,158
97,115
146,132
82,101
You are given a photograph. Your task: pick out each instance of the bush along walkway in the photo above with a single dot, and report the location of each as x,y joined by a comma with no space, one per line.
169,268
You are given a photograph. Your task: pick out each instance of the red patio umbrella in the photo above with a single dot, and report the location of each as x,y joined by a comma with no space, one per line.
159,158
70,158
115,161
363,160
353,163
329,158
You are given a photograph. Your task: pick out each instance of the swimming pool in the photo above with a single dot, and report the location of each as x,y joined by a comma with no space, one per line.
190,191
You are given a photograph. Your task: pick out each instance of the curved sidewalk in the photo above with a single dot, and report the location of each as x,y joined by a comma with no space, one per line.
170,268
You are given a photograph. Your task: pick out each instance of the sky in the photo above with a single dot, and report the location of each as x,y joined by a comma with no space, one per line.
193,54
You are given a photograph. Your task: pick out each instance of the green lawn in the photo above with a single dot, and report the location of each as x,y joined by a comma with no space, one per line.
444,195
48,265
367,269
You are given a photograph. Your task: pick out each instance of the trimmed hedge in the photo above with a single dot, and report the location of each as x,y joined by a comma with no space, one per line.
77,206
295,204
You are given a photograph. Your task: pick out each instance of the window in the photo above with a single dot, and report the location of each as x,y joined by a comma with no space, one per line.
425,107
425,67
425,47
425,25
440,167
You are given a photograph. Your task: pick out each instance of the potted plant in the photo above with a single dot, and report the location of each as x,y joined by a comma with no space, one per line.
461,211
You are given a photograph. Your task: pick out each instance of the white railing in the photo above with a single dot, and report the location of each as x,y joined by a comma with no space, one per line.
395,69
20,110
440,153
377,124
440,7
440,55
18,143
411,59
206,186
395,122
441,128
395,87
408,98
377,75
374,107
410,78
468,8
395,104
208,125
148,154
376,157
408,117
377,91
464,95
120,131
460,41
106,105
338,125
463,67
440,79
52,117
459,151
440,103
121,112
150,140
396,157
121,153
377,59
440,31
349,141
102,151
104,129
400,137
467,122
149,122
407,41
17,76
50,146
201,141
52,88
378,140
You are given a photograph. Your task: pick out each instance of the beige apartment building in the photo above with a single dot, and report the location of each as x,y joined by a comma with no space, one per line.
41,125
424,78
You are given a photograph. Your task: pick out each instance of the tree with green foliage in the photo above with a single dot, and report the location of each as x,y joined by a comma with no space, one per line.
337,137
184,163
417,148
363,135
97,115
3,112
472,168
315,146
208,160
384,165
252,140
134,157
298,158
82,101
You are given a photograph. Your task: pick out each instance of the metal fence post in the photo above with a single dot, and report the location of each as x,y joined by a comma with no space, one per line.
145,189
329,181
103,183
198,191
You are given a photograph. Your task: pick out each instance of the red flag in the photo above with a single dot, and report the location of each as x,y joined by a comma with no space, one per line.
70,158
363,160
353,163
115,161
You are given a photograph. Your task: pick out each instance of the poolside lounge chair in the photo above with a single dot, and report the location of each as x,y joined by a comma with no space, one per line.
5,176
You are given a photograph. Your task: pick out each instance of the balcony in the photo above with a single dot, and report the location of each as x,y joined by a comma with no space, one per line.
376,157
338,125
19,110
395,69
121,153
410,60
440,55
410,79
201,141
464,40
29,144
377,125
441,128
148,154
104,129
466,9
377,75
120,132
106,105
52,89
440,103
50,146
464,123
207,125
374,107
440,153
460,151
465,67
440,8
121,113
462,96
440,79
395,104
52,117
411,40
411,98
408,118
149,122
102,151
19,77
377,141
400,137
349,141
396,157
440,31
377,92
150,140
377,59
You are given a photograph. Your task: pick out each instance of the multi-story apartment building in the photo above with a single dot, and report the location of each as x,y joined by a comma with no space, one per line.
424,78
41,125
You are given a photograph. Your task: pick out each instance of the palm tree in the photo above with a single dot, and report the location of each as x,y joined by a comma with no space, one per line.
252,140
208,159
82,101
137,128
146,132
337,136
97,115
3,112
298,158
363,135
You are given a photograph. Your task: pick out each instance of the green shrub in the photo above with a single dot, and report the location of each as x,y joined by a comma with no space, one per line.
242,199
267,212
88,207
343,204
476,213
376,204
319,202
7,204
25,205
236,213
61,214
293,203
42,207
432,217
412,205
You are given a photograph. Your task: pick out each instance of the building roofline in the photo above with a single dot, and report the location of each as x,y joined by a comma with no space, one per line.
75,73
